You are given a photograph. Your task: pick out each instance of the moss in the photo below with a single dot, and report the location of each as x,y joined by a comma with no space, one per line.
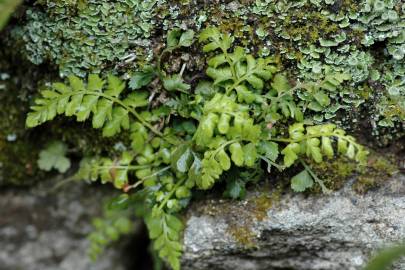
242,216
334,172
243,234
378,170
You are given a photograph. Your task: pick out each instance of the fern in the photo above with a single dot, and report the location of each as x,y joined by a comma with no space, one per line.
108,110
165,229
226,127
107,229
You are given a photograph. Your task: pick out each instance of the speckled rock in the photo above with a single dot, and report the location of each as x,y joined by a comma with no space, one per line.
40,230
338,231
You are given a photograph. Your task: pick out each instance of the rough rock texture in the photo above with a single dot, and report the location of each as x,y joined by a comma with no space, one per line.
43,231
300,232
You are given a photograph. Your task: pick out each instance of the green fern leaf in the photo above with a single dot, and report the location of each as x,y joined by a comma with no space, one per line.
165,230
119,118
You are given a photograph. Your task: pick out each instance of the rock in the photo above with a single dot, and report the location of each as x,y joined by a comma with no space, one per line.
338,231
43,231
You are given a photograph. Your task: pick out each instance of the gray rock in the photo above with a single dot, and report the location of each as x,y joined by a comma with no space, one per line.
338,231
43,231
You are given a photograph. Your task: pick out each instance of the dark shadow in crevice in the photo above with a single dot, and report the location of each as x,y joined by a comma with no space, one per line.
136,253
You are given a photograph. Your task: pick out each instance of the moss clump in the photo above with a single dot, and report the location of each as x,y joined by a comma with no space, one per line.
243,234
17,154
335,173
378,170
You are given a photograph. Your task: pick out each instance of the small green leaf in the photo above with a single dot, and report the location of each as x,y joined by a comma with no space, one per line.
204,88
141,78
301,181
119,203
137,99
173,37
327,148
115,86
54,157
219,75
290,153
182,158
209,32
175,83
342,146
223,160
186,38
235,189
269,150
119,119
280,83
244,95
217,60
7,7
322,98
194,173
250,154
315,106
104,110
256,82
223,123
76,83
95,83
350,151
237,154
296,131
313,150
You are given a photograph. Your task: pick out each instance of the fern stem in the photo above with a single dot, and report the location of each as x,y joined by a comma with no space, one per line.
278,166
129,167
156,173
223,146
164,202
133,111
140,182
315,177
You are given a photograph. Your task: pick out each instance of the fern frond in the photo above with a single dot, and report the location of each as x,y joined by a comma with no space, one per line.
83,100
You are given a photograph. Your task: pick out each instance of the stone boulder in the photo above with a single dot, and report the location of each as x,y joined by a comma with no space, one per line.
295,231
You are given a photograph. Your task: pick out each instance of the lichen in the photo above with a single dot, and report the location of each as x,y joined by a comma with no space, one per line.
313,38
89,36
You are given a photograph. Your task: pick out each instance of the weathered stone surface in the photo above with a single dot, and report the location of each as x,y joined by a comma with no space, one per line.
47,231
338,231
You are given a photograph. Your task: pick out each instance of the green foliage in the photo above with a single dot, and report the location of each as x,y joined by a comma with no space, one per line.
7,8
165,230
385,258
54,157
301,181
96,98
108,228
223,130
316,142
